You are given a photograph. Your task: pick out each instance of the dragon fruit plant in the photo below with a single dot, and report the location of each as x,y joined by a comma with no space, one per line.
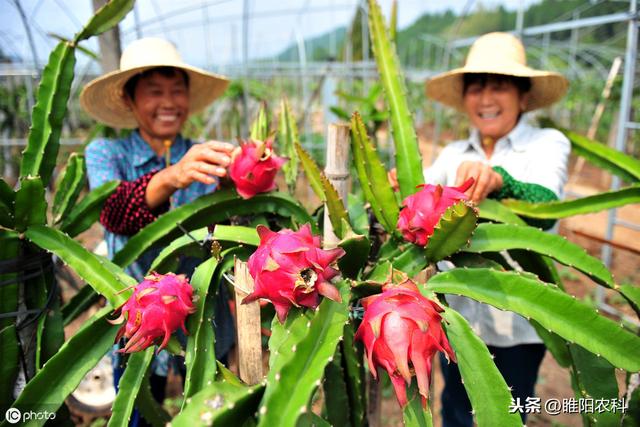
373,317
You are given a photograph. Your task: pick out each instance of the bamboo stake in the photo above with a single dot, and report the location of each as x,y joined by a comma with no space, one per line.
248,327
337,171
595,121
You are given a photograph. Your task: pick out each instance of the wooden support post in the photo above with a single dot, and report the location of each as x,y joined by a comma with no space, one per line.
337,171
248,327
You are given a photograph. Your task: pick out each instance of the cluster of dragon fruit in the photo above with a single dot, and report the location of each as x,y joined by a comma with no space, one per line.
401,329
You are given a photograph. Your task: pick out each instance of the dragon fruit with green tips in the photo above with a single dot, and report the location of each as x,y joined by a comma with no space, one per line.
422,210
402,331
159,306
290,269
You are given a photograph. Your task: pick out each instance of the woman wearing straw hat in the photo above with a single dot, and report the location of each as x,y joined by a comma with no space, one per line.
153,93
509,158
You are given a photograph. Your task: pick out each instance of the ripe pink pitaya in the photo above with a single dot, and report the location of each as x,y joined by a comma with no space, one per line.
158,306
401,331
423,210
289,268
254,168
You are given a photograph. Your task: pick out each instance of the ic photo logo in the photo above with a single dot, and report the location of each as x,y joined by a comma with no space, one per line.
13,415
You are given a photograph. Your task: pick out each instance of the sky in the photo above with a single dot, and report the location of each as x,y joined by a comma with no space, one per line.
208,31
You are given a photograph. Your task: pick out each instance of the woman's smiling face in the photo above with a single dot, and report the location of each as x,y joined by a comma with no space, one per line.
160,105
494,106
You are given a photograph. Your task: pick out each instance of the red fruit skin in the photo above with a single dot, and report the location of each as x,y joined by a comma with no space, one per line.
290,269
423,210
254,168
159,305
401,331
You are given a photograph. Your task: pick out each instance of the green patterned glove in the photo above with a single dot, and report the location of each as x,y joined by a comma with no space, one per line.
528,192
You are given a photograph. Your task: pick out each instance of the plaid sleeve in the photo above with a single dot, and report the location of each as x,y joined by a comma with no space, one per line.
126,211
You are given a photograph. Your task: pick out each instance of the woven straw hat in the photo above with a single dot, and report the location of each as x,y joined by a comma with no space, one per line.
498,53
103,98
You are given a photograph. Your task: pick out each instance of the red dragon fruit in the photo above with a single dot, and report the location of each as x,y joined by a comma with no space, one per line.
254,168
401,331
158,306
289,269
423,210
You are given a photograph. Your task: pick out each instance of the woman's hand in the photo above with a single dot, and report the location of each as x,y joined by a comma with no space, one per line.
486,180
202,163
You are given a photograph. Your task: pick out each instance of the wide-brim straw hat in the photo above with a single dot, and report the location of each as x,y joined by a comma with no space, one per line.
498,53
104,99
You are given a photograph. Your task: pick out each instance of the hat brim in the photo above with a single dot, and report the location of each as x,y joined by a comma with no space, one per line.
546,87
103,98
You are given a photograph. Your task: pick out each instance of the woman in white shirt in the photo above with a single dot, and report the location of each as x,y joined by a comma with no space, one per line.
508,158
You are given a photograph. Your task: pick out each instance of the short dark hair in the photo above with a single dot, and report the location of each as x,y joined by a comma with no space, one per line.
523,84
130,85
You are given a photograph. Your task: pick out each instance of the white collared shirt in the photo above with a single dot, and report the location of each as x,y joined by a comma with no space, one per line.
528,154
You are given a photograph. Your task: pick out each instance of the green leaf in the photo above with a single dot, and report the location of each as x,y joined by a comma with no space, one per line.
103,276
497,212
9,368
584,205
310,419
186,245
31,206
69,186
326,192
632,294
206,210
612,160
312,170
594,378
107,17
552,308
452,232
411,261
356,247
87,212
290,388
287,139
373,176
128,387
408,160
220,404
260,126
7,195
489,394
413,414
335,392
352,358
78,304
39,158
150,410
498,237
225,375
237,234
10,247
61,375
286,335
201,357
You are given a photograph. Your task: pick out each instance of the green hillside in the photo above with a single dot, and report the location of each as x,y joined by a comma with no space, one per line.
438,28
